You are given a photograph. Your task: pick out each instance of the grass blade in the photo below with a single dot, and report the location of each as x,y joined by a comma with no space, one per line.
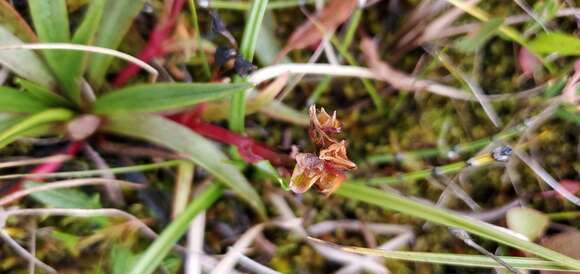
453,259
76,61
43,94
35,120
440,216
190,145
12,100
148,262
165,96
23,63
50,19
120,14
247,48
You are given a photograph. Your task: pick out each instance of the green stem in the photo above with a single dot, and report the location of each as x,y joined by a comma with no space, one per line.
444,152
368,85
94,172
390,201
197,33
247,48
157,251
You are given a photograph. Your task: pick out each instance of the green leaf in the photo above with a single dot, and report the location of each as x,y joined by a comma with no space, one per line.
24,63
76,61
190,145
64,198
455,259
553,42
163,244
473,42
164,96
43,94
50,19
8,119
527,221
14,23
122,259
30,123
12,100
120,14
390,201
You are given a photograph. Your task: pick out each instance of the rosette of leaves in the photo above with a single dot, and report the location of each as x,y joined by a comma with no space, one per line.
56,87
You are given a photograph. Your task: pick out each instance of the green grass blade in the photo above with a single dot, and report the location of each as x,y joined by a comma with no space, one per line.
190,145
75,62
164,96
50,19
390,201
12,100
23,63
156,252
120,14
247,48
455,259
35,120
43,94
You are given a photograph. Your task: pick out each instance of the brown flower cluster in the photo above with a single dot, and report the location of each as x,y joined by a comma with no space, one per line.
327,170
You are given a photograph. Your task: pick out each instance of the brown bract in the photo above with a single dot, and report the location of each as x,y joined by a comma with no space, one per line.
325,172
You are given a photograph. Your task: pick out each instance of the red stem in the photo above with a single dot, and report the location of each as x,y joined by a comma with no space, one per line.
154,46
36,173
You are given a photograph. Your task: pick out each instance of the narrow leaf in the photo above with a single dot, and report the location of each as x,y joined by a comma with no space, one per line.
563,44
452,259
390,201
76,61
37,120
43,94
50,19
12,100
155,253
120,14
190,145
165,96
24,63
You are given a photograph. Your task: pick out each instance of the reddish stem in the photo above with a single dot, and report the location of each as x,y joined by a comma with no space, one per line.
154,46
250,150
36,173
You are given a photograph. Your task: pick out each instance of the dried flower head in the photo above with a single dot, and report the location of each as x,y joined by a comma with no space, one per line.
323,127
335,154
326,171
